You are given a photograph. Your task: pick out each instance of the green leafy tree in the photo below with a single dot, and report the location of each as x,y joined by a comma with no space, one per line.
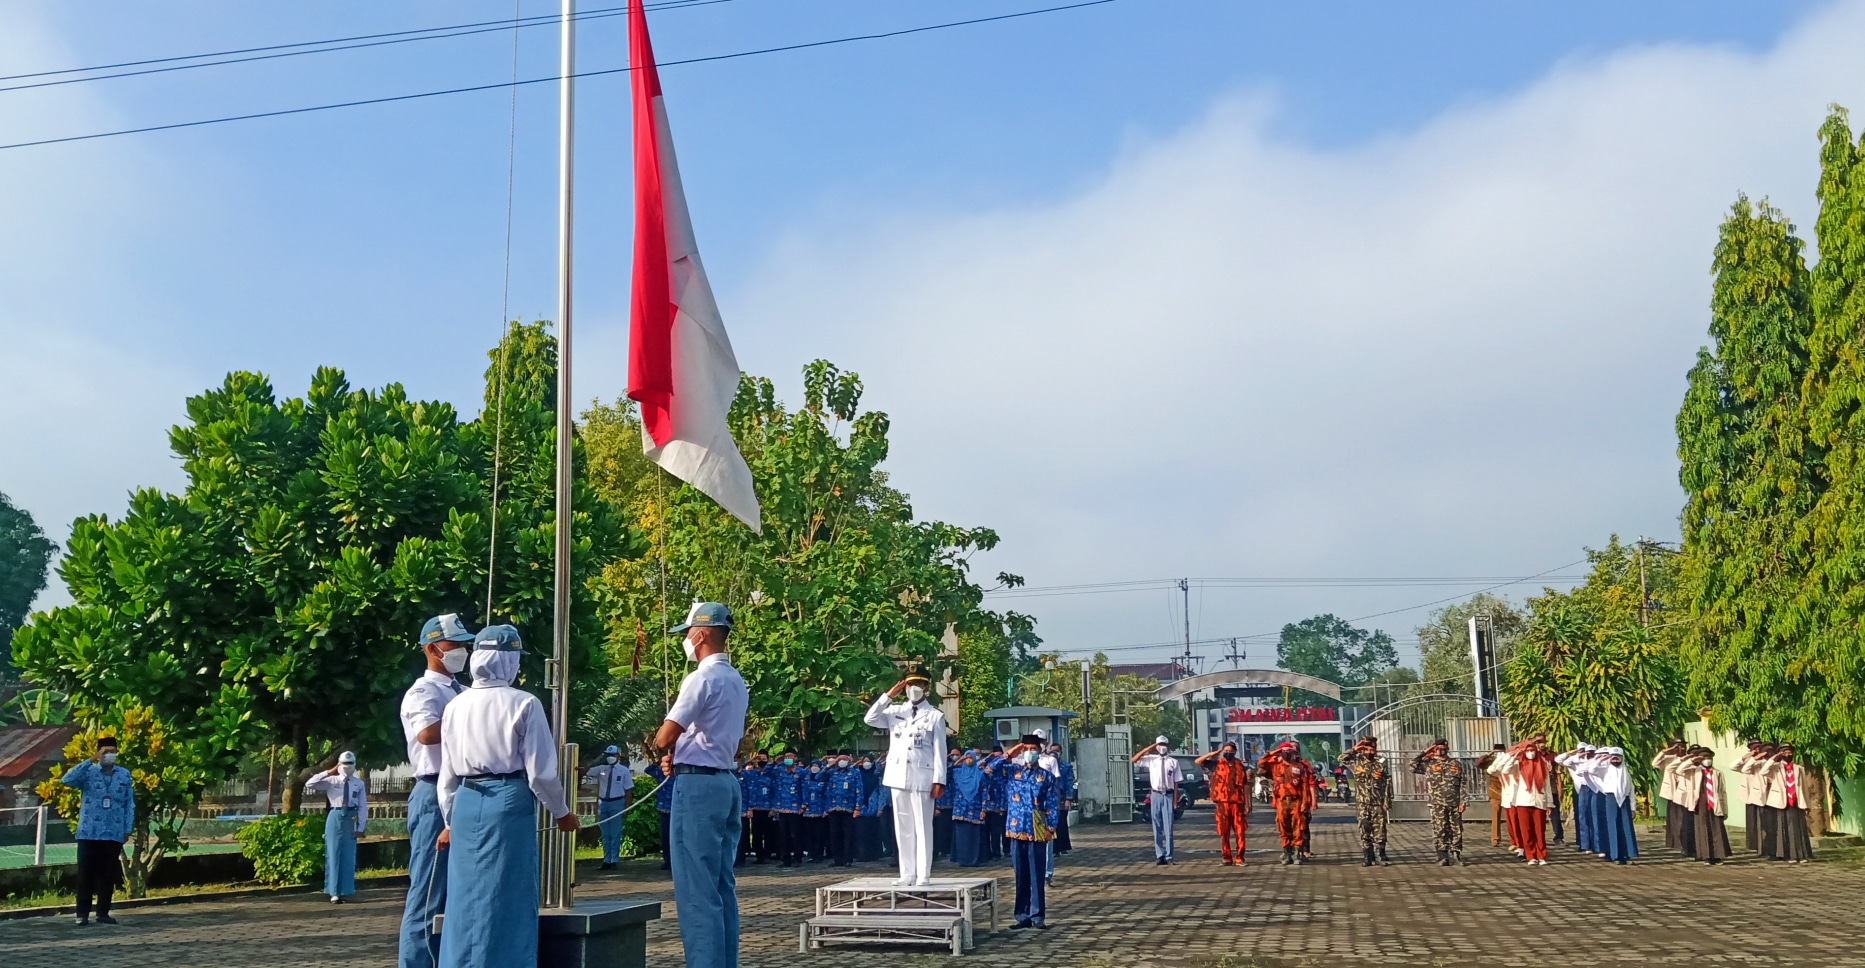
1592,667
984,657
25,554
1057,684
1444,642
842,584
275,599
169,772
1332,648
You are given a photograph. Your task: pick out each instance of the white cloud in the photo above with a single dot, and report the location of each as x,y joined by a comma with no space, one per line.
1455,351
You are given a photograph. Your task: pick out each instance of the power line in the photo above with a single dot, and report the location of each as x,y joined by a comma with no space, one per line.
347,43
1099,588
503,85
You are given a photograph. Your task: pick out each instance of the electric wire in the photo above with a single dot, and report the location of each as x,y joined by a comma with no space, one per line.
322,46
881,35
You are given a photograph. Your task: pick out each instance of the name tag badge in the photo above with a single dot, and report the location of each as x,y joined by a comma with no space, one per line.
106,803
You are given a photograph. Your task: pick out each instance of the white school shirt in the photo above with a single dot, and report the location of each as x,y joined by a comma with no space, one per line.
421,707
612,782
711,712
1163,771
498,729
339,794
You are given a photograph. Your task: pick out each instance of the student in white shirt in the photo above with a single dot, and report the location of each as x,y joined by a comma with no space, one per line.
1163,777
614,783
347,797
447,645
498,763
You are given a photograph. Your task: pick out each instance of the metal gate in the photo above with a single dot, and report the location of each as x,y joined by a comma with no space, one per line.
1409,726
1119,774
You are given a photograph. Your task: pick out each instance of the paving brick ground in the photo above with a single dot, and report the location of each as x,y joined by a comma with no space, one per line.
1112,907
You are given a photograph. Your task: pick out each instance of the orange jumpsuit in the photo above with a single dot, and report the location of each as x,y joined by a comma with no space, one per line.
1230,794
1293,783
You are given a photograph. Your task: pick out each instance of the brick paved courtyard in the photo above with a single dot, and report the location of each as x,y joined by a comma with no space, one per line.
1112,907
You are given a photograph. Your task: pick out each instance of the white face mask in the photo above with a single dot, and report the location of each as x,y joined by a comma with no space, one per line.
1160,749
108,759
915,693
692,651
608,759
347,770
455,660
842,763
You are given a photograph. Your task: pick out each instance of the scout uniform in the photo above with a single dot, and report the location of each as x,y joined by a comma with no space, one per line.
1372,795
1444,790
1230,796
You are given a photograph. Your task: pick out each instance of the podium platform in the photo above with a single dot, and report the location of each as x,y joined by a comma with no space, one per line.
874,910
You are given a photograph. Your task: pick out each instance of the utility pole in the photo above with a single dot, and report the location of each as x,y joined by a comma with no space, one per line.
1644,594
1235,657
1185,589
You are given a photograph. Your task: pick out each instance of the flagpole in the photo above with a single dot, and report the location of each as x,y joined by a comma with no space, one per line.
558,856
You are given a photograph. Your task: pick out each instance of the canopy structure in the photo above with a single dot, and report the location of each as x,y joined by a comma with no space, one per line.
1246,677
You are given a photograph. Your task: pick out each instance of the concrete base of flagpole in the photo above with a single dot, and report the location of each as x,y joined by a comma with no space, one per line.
596,934
593,934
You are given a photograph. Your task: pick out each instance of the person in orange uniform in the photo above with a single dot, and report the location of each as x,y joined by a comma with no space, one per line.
1230,794
1292,783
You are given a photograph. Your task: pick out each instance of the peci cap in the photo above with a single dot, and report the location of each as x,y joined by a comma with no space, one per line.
498,638
445,628
705,615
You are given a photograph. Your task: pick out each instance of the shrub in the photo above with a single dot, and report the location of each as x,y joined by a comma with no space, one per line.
641,832
286,848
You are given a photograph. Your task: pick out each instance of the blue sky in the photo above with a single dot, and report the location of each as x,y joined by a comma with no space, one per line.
1280,183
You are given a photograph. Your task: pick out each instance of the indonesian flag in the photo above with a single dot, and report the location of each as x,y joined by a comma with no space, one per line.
680,363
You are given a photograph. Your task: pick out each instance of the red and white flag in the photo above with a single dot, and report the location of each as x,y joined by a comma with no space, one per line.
680,364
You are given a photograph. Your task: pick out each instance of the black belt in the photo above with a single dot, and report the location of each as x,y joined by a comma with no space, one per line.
427,778
514,775
610,799
695,768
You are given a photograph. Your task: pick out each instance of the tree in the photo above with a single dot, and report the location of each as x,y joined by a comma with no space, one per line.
1592,667
1331,648
842,583
1058,685
983,681
25,554
1444,643
169,773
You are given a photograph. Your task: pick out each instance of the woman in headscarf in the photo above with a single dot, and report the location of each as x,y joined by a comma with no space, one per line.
1786,816
1700,791
1524,769
1669,758
968,826
1615,838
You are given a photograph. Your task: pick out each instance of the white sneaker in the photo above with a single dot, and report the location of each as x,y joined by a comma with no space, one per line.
903,882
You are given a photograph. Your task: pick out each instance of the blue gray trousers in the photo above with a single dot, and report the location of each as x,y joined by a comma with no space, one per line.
1162,825
706,822
427,879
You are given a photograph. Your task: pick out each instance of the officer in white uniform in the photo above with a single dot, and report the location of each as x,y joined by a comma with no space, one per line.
446,644
614,783
915,773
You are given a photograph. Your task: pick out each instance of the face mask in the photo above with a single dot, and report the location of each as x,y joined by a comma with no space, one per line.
842,763
1028,757
609,760
867,766
1230,754
790,761
915,693
1160,749
1529,755
109,759
692,652
815,769
455,660
347,770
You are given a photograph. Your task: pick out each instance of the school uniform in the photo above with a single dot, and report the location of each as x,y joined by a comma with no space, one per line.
347,811
422,706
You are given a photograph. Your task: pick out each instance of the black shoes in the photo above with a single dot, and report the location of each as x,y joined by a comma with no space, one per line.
1288,855
84,922
1366,859
1020,925
1383,860
1159,862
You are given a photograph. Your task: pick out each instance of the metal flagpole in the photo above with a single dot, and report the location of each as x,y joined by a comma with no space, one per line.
558,858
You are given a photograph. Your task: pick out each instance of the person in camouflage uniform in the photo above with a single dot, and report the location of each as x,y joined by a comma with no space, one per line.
1372,796
1444,787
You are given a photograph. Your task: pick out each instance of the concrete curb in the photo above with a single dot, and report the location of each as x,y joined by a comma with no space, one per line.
362,883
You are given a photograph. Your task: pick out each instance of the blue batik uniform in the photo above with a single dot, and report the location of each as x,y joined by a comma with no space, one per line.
815,794
1030,792
107,801
994,769
968,793
786,794
663,794
875,801
844,789
754,786
1067,789
944,800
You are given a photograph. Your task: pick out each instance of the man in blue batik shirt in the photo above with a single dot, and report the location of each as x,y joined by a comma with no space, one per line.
1031,800
106,812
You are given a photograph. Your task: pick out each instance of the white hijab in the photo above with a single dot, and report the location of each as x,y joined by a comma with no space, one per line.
1615,780
494,668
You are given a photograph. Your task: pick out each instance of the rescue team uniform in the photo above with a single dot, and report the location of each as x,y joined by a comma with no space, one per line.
1230,796
1292,789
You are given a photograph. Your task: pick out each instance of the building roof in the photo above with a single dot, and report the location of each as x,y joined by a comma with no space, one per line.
1020,712
1162,671
25,747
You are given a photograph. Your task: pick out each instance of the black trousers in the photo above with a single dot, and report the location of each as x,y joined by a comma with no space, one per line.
790,836
764,834
99,870
666,852
841,837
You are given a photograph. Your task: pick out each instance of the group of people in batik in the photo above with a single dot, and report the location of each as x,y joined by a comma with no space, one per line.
1772,788
827,809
